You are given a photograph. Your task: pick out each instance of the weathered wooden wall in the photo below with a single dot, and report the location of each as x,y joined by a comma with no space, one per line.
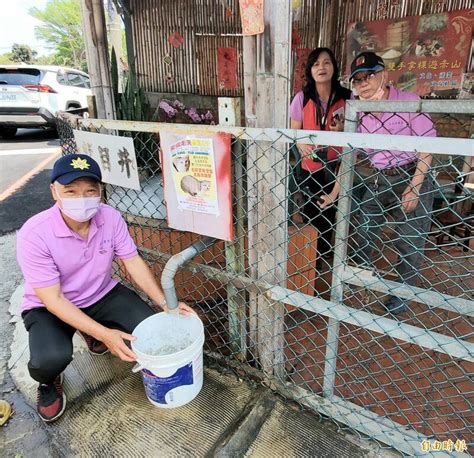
206,25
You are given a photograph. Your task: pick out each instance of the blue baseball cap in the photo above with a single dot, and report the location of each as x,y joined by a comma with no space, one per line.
73,166
366,62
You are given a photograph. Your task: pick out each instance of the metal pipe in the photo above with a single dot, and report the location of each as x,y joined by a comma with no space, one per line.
442,145
346,177
173,264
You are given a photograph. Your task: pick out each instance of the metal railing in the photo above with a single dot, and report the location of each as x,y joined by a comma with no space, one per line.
315,325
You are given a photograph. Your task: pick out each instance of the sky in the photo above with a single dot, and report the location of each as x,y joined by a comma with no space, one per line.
17,26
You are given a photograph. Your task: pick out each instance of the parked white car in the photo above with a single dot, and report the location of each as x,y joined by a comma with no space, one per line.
31,95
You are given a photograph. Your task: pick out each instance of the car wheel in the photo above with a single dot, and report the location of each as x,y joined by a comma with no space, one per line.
7,133
53,132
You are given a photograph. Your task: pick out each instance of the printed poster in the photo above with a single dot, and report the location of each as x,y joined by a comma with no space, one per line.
194,175
197,182
467,86
115,156
423,54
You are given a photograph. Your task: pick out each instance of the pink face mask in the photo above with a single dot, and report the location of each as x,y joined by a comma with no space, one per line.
80,209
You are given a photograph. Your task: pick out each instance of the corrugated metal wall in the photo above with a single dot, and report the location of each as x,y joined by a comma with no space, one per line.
206,25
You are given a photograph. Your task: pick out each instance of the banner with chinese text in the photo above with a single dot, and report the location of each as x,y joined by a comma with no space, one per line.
227,68
194,175
424,54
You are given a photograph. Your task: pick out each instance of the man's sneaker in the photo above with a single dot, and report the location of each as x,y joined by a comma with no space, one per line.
95,347
396,305
51,400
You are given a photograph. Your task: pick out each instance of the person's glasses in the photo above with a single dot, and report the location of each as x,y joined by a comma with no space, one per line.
369,77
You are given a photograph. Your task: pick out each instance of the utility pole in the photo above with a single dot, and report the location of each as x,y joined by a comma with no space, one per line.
97,54
115,36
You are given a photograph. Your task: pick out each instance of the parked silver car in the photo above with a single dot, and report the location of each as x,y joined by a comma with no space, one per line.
31,95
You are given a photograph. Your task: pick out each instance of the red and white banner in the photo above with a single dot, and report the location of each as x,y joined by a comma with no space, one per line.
424,54
197,182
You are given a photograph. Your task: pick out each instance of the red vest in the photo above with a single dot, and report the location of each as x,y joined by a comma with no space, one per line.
310,123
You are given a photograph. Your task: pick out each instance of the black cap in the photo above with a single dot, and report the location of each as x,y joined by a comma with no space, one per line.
366,62
73,166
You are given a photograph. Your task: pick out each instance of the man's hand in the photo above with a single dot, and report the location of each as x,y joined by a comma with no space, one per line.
182,309
185,309
114,339
410,199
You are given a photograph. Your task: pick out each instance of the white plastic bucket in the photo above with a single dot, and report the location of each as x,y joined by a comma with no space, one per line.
169,354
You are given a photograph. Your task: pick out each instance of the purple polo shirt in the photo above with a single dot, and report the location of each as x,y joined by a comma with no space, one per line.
49,252
419,124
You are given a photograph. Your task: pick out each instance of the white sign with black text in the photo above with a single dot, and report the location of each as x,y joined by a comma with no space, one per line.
114,154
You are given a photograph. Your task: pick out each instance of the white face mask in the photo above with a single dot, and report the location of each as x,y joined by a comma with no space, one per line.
378,94
80,209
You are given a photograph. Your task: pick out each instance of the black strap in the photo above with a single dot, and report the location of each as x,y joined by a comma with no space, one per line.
321,115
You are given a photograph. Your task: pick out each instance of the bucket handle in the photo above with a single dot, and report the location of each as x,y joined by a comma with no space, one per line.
137,367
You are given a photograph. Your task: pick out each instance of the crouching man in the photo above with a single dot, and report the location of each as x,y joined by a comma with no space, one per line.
66,254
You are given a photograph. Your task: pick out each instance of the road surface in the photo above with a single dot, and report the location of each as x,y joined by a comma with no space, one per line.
25,165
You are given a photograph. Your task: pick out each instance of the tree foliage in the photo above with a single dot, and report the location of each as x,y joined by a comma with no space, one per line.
22,53
62,30
5,59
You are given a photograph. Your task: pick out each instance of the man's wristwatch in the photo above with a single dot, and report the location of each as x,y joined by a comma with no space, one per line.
164,304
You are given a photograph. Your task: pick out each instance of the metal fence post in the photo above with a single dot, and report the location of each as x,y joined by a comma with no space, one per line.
346,176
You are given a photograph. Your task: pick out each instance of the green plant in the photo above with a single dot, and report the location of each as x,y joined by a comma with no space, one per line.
131,105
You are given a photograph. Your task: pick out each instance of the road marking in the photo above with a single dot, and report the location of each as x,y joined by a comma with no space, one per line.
20,182
19,152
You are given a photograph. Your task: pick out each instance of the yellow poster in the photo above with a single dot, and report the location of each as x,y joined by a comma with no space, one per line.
194,175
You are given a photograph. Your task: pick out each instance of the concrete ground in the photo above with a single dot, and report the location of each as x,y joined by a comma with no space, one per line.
108,413
24,434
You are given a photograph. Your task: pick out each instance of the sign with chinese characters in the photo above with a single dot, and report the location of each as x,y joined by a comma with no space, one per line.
115,156
175,39
197,182
300,65
424,54
227,68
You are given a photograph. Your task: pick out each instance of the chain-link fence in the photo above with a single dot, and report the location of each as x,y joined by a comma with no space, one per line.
349,283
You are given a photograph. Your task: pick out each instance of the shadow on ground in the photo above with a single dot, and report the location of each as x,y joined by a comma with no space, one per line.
30,199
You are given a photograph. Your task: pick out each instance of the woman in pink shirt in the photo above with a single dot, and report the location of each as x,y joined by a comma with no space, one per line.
319,106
